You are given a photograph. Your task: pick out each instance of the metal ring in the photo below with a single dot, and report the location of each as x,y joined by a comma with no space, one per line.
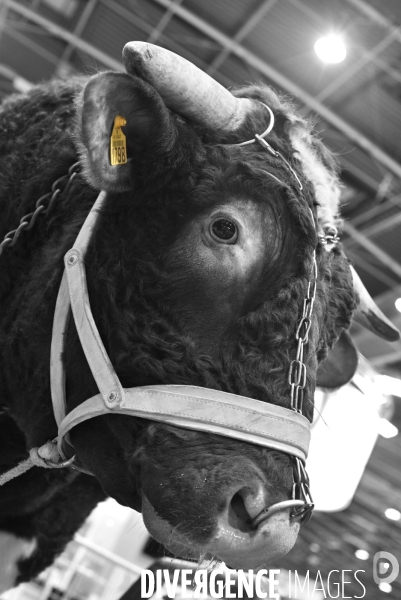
57,465
303,514
267,512
265,133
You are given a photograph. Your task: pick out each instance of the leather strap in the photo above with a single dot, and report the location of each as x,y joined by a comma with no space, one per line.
99,362
62,316
203,409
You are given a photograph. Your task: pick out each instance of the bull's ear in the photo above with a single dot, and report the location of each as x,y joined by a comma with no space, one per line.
340,365
123,131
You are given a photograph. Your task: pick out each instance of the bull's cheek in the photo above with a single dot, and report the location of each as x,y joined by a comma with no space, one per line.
252,549
165,534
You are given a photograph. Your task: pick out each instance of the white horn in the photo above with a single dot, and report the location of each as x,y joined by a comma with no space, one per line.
369,315
185,89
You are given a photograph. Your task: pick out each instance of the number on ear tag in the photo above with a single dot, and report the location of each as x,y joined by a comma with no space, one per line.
118,143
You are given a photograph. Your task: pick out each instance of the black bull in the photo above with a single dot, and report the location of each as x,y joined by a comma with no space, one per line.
197,272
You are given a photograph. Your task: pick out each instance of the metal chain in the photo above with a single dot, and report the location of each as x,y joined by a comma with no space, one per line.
42,207
297,372
301,491
297,382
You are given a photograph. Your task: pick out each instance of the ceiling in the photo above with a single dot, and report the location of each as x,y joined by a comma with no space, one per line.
357,102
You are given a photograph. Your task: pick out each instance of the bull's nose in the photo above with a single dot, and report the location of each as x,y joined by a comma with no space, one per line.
241,544
252,549
236,541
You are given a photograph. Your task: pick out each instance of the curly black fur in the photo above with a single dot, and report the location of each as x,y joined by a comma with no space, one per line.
139,297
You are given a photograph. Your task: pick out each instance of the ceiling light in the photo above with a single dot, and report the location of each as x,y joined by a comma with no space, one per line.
385,587
387,429
393,514
331,49
362,554
398,304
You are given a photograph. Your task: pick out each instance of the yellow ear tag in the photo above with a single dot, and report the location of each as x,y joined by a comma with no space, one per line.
118,143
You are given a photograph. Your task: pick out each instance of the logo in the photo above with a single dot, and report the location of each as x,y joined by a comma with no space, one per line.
382,562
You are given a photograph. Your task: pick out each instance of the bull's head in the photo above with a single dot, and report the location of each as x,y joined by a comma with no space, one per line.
197,275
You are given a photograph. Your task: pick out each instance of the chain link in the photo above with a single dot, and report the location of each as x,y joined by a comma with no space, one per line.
42,207
329,238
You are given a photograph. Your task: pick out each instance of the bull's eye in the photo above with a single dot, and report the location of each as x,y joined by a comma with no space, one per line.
224,230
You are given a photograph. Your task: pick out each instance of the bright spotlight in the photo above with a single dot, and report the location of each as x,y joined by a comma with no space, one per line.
331,49
398,304
393,514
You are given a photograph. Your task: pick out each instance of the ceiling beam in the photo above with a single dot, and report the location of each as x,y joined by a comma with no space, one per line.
379,227
355,171
367,266
65,35
162,24
31,45
3,16
135,19
242,33
271,73
373,248
376,17
379,208
86,14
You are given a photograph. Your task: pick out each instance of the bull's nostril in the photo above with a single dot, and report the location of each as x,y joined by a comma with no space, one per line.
238,516
246,503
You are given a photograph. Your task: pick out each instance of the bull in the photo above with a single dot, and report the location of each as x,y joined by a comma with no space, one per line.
218,216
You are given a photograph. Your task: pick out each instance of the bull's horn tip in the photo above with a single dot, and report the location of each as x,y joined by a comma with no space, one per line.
377,323
137,48
384,328
369,315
